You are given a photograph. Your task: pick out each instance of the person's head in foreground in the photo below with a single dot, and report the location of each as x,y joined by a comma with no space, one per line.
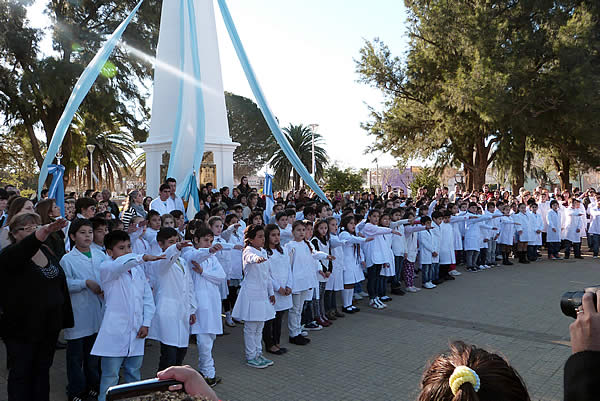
468,373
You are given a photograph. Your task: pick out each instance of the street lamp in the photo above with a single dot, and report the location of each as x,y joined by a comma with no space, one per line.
313,128
91,149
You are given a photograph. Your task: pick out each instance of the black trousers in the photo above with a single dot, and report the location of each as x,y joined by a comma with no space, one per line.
229,302
29,368
373,280
170,356
272,330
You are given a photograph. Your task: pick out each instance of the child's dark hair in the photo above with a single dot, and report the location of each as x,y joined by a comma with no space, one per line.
318,235
553,202
114,237
97,222
290,212
373,211
176,213
279,215
298,223
436,215
347,219
201,215
165,233
152,213
250,233
202,230
499,380
113,224
253,215
75,226
213,220
269,228
228,219
83,203
425,219
447,213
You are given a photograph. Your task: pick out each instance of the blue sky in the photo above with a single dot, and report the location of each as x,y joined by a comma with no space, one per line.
302,53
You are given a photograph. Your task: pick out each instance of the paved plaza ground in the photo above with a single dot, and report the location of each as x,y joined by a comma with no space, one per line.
380,355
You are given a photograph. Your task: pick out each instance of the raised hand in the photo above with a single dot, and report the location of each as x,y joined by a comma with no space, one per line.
152,258
183,244
197,268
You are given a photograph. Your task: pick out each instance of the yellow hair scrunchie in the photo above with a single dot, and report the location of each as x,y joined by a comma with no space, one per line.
462,375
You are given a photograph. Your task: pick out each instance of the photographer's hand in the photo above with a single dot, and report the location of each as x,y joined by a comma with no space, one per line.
585,330
193,382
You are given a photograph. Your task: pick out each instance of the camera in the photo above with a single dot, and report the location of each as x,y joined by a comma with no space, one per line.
570,301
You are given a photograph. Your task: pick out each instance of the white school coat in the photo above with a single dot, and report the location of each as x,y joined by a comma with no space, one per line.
353,257
129,306
280,270
426,247
535,223
207,291
473,233
398,242
253,303
523,220
435,230
163,207
573,222
323,265
554,228
303,265
87,306
224,258
285,235
594,212
507,230
150,237
376,250
336,280
175,300
235,237
447,256
388,269
543,210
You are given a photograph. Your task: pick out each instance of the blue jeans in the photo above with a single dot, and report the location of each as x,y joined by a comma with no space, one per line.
381,286
595,243
83,369
426,271
398,277
435,271
110,371
531,252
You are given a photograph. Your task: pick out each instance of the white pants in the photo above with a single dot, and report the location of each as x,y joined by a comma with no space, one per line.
206,363
253,339
295,313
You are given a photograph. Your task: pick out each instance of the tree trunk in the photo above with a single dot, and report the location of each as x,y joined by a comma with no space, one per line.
468,179
35,144
563,165
481,163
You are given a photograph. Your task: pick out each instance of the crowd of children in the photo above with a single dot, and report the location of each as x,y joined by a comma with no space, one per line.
166,279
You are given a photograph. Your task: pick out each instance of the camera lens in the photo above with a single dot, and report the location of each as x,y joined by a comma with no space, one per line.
570,301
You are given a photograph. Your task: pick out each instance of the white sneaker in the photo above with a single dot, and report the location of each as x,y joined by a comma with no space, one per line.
594,257
429,285
357,297
412,289
363,294
374,304
482,267
380,303
304,333
454,273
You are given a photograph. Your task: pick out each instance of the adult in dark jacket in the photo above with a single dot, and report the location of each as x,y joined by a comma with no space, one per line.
582,369
35,305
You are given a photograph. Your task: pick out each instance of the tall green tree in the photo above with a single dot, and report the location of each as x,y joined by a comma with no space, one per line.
343,180
248,127
300,138
35,85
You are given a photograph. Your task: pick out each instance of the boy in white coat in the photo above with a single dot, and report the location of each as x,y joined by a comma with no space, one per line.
208,277
128,313
536,226
553,230
81,267
572,233
175,300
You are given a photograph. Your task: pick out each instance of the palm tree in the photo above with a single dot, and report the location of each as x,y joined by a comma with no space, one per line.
300,138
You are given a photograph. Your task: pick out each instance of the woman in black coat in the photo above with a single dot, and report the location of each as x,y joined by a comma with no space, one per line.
35,306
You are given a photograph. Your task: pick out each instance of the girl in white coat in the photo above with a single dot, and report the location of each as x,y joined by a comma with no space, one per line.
207,276
553,230
302,259
175,300
507,233
354,260
255,301
81,267
128,313
234,234
572,234
335,283
280,271
536,226
320,242
388,270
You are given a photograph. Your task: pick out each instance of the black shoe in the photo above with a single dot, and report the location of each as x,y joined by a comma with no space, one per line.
278,352
449,277
299,340
507,263
348,310
398,291
579,257
283,349
214,381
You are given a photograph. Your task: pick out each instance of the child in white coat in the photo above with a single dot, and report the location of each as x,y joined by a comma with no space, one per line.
175,300
280,271
354,260
536,225
81,267
128,313
207,276
255,301
572,233
553,230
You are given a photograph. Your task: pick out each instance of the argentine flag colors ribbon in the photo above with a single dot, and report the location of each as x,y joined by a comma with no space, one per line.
269,200
57,187
82,87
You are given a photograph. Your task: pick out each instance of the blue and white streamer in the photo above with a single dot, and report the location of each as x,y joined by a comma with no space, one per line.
57,187
190,190
82,87
264,107
269,201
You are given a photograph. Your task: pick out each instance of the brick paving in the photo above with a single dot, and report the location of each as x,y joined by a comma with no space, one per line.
381,354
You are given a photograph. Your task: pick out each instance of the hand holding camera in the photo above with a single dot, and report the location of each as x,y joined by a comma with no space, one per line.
585,330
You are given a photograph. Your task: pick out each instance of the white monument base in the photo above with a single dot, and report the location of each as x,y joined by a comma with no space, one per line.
222,159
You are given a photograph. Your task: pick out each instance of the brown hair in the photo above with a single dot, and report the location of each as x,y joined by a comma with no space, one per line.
250,233
15,205
43,208
499,380
21,220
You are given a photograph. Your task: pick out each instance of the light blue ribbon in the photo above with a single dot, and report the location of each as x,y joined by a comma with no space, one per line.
264,108
57,187
190,189
82,87
269,201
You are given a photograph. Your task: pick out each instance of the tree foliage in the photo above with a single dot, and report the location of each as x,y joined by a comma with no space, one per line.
482,78
300,138
426,178
35,85
343,180
248,127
